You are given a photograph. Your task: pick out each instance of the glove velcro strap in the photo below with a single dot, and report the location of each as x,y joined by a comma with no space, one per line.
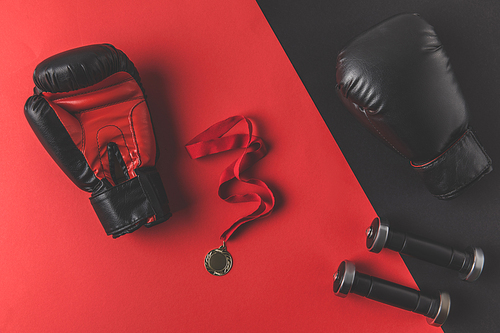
153,187
461,165
129,205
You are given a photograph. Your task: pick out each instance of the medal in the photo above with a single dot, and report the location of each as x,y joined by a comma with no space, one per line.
219,261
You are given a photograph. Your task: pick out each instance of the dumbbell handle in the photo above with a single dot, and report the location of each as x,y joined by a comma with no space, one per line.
434,307
468,263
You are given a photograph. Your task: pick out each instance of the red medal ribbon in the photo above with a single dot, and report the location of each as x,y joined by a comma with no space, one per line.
212,141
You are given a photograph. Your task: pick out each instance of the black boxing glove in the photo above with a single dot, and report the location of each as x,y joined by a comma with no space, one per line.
396,79
90,113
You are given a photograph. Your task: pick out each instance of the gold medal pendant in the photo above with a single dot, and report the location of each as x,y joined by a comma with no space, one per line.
218,262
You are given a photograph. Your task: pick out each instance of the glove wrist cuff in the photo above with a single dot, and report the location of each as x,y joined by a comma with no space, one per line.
461,165
127,206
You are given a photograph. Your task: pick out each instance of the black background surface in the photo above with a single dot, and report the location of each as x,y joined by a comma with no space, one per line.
312,34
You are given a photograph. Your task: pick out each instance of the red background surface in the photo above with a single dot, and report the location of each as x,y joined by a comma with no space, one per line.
200,62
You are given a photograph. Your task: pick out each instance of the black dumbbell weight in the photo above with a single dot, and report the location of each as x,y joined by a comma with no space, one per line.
435,307
468,263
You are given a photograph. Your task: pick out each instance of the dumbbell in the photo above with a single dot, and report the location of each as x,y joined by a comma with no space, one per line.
468,263
435,307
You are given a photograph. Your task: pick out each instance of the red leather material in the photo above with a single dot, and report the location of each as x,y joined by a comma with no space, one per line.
118,102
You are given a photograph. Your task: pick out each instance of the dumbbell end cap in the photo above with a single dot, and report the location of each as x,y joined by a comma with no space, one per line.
477,264
343,279
443,311
376,235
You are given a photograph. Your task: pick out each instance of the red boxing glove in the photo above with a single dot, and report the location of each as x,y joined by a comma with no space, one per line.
90,113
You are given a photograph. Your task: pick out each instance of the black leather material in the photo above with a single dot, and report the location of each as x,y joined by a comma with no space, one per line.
397,80
152,186
127,206
458,167
58,143
81,67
